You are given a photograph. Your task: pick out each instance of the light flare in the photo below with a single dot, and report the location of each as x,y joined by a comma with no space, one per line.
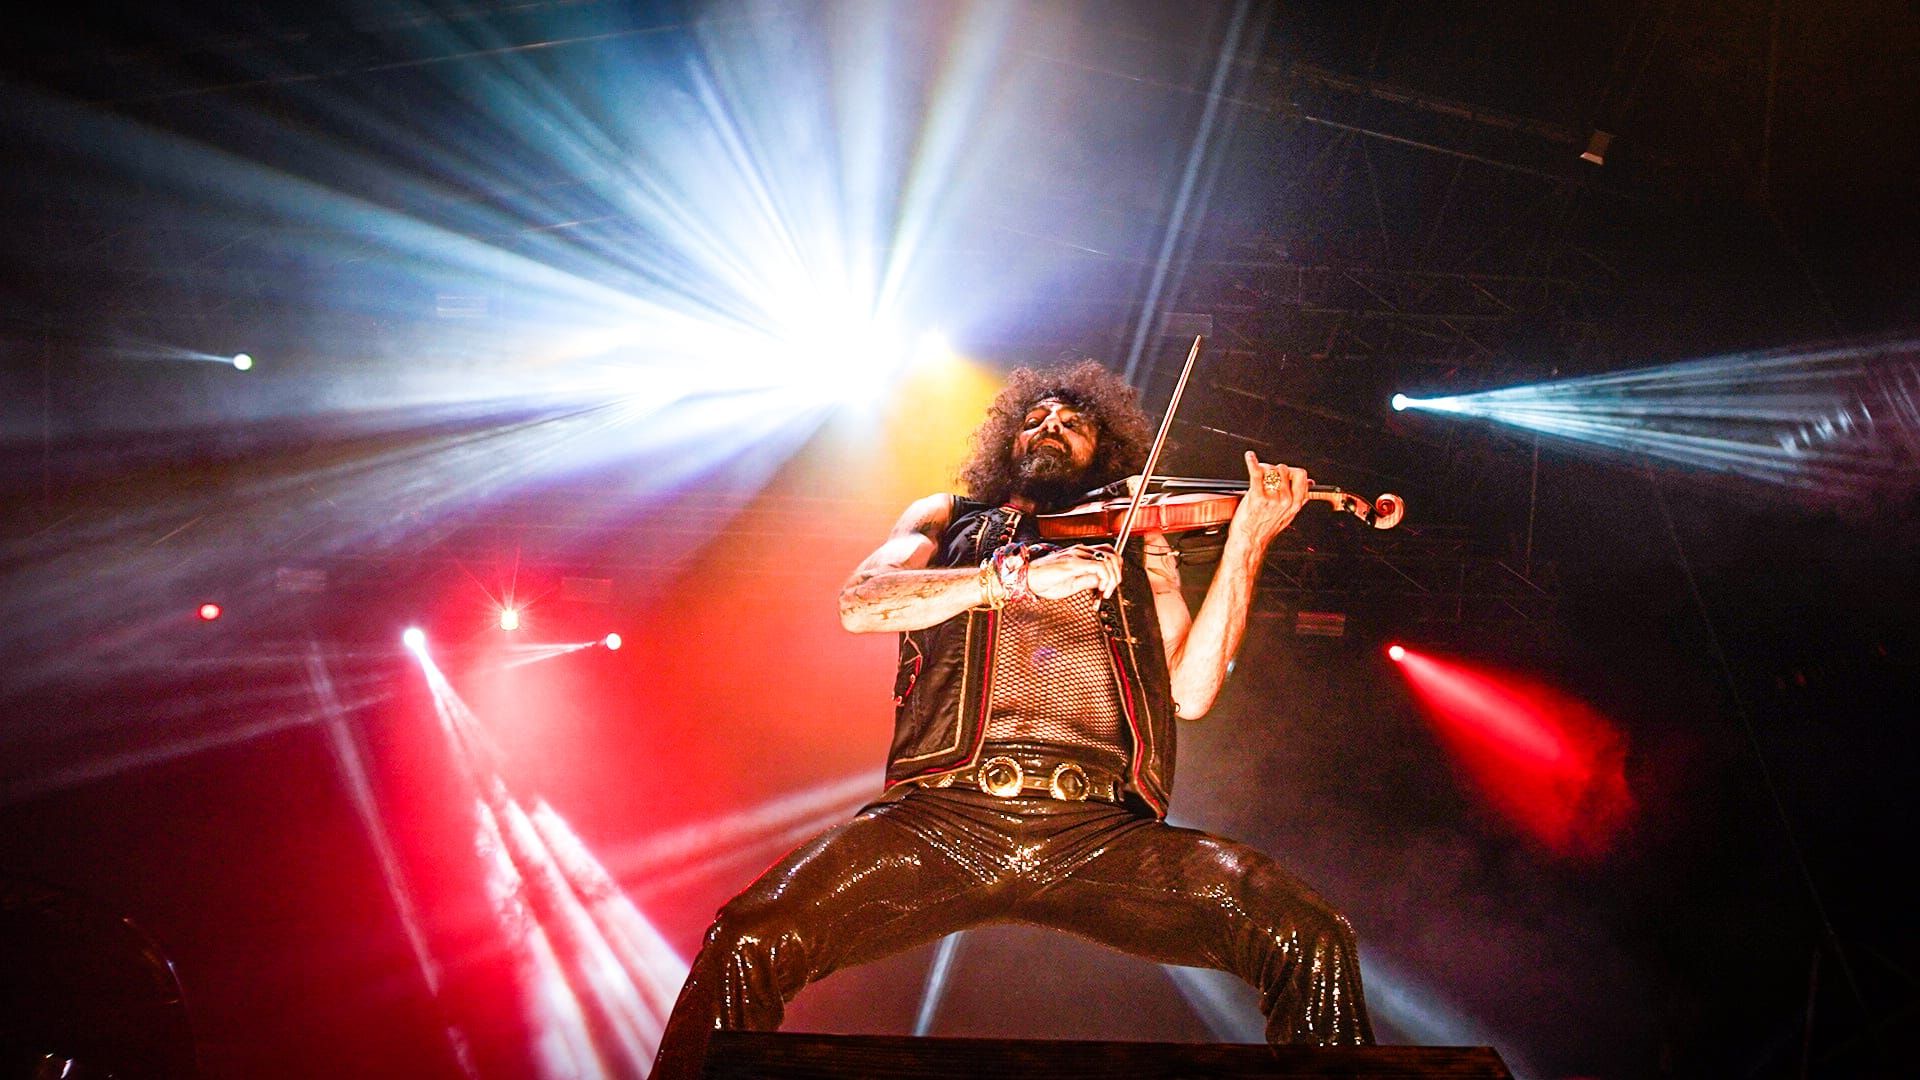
675,248
175,747
1421,1015
359,788
519,655
911,447
1838,423
1229,1007
707,846
597,980
1547,762
935,989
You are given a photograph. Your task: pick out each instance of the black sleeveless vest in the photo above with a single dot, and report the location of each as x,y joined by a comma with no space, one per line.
942,689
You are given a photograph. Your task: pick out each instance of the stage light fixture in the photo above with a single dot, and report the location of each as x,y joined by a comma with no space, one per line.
209,611
611,641
242,361
1400,402
509,619
415,639
1396,653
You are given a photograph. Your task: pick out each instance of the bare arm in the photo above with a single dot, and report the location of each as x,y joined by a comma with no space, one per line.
1169,603
1199,647
892,589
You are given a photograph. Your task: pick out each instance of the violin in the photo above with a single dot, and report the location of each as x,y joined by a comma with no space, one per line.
1189,504
1184,504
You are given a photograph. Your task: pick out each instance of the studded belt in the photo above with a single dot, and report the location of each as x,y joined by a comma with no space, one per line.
1014,774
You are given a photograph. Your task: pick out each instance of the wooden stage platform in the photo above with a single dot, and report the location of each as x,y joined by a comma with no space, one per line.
762,1055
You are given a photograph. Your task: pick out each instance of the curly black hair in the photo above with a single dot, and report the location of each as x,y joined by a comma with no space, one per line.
1100,395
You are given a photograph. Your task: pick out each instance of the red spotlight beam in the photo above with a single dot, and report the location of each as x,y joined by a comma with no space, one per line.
1547,762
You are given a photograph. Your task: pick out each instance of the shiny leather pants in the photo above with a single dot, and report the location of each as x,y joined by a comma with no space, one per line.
909,872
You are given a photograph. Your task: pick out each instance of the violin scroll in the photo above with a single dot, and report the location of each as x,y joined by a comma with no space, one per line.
1384,512
1388,509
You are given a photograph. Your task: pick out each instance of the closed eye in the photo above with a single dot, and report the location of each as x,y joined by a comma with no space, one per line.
1066,421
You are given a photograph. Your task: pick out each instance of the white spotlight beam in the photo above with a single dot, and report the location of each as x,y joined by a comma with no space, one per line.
597,979
354,778
936,988
523,655
706,840
1840,422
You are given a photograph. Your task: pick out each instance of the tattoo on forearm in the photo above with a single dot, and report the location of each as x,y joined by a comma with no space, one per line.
905,593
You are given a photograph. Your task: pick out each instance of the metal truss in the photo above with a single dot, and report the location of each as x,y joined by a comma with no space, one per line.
1438,579
1444,319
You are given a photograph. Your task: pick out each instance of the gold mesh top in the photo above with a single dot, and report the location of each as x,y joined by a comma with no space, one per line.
1053,679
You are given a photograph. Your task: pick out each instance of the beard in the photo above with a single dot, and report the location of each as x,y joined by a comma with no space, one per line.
1048,476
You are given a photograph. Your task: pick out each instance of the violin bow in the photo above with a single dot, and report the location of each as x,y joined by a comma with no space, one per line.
1159,440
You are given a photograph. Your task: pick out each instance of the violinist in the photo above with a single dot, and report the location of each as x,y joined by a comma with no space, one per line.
1033,747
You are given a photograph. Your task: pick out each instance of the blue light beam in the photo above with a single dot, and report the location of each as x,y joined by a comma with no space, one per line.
1837,422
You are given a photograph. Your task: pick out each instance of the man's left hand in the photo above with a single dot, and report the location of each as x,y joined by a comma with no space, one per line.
1275,493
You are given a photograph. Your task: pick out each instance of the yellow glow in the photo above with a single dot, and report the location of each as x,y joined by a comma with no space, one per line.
923,440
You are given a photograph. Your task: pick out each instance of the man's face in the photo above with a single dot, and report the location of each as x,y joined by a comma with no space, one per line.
1055,443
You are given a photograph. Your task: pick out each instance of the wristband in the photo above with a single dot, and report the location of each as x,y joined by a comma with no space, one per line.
1010,563
993,594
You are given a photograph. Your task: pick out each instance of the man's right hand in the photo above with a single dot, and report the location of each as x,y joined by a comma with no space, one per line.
1070,570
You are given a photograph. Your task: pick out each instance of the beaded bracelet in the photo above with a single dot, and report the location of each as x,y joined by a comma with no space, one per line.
1011,562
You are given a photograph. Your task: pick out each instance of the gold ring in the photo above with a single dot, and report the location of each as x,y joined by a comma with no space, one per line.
1272,481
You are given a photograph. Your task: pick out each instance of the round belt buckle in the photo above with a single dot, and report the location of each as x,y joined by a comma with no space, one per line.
1068,783
1000,776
